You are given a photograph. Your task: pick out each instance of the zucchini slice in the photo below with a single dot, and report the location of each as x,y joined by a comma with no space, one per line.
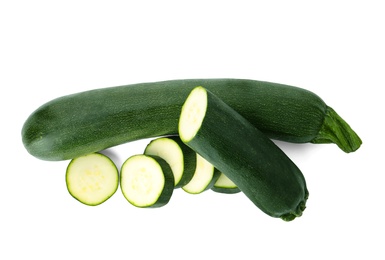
146,181
179,156
92,179
205,176
260,169
225,185
91,121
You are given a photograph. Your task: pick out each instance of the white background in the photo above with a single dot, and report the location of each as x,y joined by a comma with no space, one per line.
333,48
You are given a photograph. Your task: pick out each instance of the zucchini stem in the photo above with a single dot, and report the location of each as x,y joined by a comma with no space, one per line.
335,130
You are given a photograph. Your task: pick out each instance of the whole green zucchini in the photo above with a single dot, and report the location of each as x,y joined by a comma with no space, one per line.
90,121
259,168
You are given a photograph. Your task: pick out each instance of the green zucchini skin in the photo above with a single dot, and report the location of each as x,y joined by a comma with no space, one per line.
226,190
259,168
90,121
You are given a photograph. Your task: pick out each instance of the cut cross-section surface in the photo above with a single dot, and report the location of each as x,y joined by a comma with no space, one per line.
92,179
146,181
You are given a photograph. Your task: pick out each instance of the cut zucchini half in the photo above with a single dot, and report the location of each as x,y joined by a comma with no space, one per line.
205,176
92,179
146,181
261,170
225,185
179,156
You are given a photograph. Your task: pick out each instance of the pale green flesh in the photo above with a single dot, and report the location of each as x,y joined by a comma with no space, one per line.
142,180
224,182
92,179
193,113
170,151
203,175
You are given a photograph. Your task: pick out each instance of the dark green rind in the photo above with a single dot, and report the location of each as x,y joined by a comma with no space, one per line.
216,176
91,121
259,168
225,190
168,188
82,123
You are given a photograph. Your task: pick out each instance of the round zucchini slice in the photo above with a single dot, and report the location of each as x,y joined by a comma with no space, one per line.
92,179
146,181
204,177
179,156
